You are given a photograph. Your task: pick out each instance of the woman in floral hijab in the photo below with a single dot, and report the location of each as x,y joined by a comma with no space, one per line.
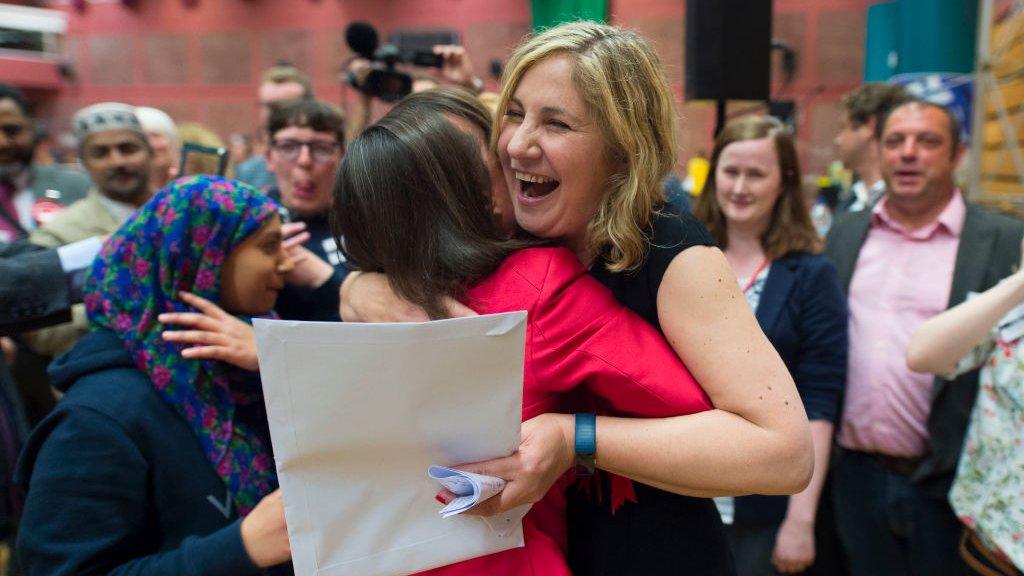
152,461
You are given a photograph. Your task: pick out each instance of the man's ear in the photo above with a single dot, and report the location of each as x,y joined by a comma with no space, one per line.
269,157
958,154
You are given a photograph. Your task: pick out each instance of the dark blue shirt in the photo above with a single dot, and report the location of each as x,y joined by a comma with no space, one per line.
116,481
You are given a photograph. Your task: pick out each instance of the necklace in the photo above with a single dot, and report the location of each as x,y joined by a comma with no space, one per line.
757,272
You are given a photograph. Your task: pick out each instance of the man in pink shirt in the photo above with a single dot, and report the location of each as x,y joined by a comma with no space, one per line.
919,251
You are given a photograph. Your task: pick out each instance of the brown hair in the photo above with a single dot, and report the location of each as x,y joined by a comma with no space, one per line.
790,228
411,200
873,100
455,101
952,123
310,113
621,79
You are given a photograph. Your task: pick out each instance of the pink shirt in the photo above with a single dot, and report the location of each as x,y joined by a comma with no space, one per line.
902,278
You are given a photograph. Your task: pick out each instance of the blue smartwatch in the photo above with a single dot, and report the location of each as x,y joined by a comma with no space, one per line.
586,444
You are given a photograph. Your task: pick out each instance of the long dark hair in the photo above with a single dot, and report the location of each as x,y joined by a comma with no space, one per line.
412,200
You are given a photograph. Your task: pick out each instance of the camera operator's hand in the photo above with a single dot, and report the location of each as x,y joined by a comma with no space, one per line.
457,66
357,111
358,69
10,350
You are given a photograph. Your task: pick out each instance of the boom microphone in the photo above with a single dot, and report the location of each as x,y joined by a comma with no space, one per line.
361,38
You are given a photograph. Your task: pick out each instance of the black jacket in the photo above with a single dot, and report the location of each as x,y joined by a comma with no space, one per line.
803,313
318,304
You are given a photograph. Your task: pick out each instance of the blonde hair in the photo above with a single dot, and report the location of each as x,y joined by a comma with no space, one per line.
621,79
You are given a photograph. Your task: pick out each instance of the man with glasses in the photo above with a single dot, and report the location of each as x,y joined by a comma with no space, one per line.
306,141
30,194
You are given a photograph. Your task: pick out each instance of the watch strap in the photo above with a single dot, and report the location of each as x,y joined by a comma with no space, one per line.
585,443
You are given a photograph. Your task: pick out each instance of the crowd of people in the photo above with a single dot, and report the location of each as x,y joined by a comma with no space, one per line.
710,388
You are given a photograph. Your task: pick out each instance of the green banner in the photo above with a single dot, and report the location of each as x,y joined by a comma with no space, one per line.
549,13
908,36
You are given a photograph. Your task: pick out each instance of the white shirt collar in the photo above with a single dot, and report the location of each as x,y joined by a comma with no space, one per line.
121,210
866,197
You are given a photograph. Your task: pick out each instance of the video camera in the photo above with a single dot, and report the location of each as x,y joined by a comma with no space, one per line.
385,81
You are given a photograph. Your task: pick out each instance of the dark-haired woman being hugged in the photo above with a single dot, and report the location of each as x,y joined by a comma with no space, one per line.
755,208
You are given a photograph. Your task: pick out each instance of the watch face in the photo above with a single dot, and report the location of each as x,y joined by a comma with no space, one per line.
584,465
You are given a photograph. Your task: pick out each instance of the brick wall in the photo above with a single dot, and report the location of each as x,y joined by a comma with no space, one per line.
201,60
828,36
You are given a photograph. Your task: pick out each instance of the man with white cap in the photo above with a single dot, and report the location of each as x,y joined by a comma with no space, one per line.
115,151
162,133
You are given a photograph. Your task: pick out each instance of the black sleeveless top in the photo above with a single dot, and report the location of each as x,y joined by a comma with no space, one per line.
662,533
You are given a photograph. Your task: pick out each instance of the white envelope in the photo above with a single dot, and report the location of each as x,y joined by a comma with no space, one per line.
359,411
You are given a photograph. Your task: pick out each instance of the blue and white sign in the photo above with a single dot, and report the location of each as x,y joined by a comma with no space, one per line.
954,91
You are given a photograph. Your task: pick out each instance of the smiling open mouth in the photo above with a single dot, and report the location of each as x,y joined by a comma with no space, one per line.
533,186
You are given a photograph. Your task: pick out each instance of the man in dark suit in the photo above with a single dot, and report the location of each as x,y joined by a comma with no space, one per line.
37,288
30,194
921,249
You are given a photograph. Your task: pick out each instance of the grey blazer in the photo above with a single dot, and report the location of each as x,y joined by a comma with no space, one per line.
34,291
989,251
71,184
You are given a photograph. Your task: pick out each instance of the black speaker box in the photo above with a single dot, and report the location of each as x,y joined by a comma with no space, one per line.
728,49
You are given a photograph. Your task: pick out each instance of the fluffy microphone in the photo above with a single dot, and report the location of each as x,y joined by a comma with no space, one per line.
362,39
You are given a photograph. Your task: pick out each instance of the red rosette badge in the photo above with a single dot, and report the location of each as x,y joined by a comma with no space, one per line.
44,210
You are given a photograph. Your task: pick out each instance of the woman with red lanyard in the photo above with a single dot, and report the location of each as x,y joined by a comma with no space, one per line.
755,208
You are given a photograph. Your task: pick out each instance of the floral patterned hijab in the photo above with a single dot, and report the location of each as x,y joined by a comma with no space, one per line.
178,241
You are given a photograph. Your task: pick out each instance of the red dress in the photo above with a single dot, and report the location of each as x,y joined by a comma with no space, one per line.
577,336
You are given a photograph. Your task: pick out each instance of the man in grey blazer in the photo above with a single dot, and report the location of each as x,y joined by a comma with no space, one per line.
38,286
33,289
920,250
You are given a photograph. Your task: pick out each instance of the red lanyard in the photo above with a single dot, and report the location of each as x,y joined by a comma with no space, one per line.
753,277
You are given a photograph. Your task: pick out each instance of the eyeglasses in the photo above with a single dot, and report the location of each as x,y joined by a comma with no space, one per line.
320,150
